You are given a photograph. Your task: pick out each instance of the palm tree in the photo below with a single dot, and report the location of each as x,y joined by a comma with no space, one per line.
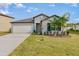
63,19
54,22
57,22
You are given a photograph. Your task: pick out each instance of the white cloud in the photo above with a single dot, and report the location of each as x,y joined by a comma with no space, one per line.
36,9
4,8
4,11
4,4
72,4
19,5
52,5
31,9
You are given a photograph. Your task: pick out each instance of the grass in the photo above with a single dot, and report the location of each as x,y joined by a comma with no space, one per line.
39,45
3,33
74,31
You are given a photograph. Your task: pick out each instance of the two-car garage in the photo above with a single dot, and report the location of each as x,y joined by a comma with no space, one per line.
22,26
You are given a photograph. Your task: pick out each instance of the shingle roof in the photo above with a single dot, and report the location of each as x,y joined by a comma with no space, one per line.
40,14
28,20
6,15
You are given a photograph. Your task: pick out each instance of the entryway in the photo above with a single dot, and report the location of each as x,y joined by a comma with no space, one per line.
38,28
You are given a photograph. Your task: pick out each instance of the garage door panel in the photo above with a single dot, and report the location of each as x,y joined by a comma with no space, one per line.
22,28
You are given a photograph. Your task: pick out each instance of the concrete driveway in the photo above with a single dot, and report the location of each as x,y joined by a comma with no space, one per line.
9,42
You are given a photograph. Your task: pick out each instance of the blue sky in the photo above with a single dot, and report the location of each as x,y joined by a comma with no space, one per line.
26,10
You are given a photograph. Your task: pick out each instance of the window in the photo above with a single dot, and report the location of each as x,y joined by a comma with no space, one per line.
48,26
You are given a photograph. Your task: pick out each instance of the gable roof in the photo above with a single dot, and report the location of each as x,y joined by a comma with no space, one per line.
6,16
50,17
28,20
40,15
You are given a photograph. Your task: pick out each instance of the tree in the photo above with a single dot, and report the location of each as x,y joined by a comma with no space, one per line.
54,22
57,22
63,19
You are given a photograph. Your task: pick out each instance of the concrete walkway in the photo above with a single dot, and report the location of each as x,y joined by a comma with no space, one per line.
9,42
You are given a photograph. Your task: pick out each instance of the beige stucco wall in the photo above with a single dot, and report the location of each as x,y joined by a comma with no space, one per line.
5,24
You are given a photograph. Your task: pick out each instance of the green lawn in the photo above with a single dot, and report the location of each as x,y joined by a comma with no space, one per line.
37,45
74,31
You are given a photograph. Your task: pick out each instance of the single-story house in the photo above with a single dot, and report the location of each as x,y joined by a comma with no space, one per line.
5,24
74,26
39,24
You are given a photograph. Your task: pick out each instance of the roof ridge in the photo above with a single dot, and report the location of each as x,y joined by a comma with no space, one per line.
41,14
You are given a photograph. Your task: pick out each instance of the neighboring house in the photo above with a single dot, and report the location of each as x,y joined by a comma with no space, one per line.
5,24
39,24
74,26
77,26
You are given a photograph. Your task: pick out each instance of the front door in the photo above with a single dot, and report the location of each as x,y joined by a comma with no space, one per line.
38,28
48,27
